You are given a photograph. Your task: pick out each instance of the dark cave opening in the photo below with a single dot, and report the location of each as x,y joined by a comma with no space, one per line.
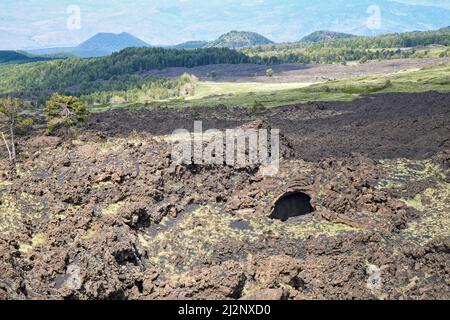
292,205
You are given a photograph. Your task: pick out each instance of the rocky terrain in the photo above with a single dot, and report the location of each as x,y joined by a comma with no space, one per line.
112,216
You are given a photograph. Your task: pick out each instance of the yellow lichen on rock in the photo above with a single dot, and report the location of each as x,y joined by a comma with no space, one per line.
194,235
435,204
37,240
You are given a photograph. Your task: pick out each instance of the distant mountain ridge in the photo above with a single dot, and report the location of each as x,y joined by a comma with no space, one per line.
101,44
104,44
51,51
239,39
17,57
191,45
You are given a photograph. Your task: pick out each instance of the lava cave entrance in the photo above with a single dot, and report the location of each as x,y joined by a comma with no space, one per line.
292,205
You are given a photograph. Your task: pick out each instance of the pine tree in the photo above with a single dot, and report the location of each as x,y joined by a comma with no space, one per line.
12,120
65,112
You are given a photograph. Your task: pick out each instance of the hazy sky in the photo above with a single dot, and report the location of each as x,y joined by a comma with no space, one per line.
53,23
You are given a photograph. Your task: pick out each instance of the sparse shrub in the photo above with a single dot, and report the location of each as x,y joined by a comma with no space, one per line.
387,83
187,84
187,78
65,112
116,100
258,107
134,134
444,54
133,106
269,72
25,124
213,74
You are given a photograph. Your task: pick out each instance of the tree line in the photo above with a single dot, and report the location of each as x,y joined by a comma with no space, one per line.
400,45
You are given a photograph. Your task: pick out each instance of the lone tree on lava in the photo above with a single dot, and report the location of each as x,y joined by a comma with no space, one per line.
65,112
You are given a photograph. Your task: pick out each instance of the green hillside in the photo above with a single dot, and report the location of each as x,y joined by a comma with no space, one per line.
390,46
17,57
239,39
320,36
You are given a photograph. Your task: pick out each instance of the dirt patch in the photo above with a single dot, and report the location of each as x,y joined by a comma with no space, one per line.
285,73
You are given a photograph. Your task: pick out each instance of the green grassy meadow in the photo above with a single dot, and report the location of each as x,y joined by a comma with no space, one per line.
234,94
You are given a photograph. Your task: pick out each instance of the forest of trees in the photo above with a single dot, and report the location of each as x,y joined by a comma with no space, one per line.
133,89
120,71
349,49
328,55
